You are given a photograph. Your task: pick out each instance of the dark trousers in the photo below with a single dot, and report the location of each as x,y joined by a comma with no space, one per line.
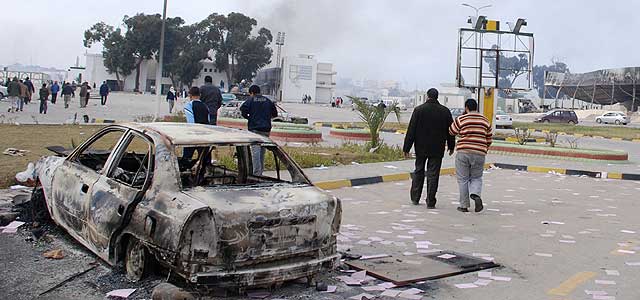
54,98
433,177
43,106
103,99
213,119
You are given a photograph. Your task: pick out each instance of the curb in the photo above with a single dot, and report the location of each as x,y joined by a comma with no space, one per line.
342,183
586,135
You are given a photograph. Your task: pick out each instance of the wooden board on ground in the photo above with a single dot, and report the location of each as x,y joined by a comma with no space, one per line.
410,269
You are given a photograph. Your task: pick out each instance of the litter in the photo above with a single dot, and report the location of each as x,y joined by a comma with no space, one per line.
595,293
633,264
12,227
466,285
15,152
365,257
627,231
331,289
501,278
543,254
390,293
321,167
567,241
373,288
54,254
482,282
612,272
18,187
605,282
485,274
446,256
390,167
363,296
626,251
122,293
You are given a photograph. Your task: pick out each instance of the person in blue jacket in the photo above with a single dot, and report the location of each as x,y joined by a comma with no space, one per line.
104,92
196,112
259,111
55,88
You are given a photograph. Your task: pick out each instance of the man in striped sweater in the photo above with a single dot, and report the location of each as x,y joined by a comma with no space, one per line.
475,134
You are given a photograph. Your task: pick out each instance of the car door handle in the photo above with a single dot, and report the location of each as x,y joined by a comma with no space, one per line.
85,188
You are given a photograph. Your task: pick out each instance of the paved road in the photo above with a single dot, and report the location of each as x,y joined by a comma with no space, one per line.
594,219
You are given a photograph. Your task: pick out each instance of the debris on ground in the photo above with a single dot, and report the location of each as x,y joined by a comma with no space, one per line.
54,254
12,227
27,176
167,291
122,293
259,294
15,152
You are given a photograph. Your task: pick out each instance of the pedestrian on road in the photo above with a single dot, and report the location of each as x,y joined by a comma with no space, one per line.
171,98
212,97
55,88
84,94
475,137
429,132
13,89
104,92
67,92
24,93
196,112
259,111
44,97
30,90
74,87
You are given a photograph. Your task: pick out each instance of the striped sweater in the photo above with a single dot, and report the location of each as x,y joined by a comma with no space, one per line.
474,133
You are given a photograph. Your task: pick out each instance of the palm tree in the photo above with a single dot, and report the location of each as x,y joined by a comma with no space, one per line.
374,116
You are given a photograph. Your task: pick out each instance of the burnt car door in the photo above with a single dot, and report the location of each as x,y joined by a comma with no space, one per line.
117,191
73,180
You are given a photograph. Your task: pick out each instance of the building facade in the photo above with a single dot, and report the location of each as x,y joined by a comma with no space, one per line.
302,75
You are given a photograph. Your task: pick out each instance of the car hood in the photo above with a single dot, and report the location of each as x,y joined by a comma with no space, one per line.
261,222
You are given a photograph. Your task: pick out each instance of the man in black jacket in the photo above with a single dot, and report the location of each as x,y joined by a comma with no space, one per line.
429,132
211,96
258,110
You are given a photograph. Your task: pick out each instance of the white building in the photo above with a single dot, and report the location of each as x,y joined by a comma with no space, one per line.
303,75
95,72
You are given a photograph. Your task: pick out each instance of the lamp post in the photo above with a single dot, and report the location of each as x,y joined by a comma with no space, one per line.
160,61
477,9
475,44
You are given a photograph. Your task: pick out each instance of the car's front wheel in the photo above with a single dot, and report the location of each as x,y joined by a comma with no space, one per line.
618,122
136,260
572,122
546,121
599,121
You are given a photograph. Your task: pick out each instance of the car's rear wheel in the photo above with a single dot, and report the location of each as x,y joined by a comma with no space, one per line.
599,121
572,122
546,121
136,260
618,122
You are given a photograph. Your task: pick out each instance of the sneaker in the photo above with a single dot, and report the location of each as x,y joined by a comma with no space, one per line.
415,202
431,207
478,202
462,209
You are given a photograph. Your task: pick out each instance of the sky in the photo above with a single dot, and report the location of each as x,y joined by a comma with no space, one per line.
411,41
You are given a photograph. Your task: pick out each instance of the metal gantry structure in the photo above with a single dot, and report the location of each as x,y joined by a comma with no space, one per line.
602,87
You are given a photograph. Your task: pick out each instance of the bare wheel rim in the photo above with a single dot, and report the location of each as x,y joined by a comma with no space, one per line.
136,258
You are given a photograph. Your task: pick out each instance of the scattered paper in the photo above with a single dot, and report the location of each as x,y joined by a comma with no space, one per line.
123,293
466,285
612,272
605,282
331,289
365,257
390,293
501,278
363,296
543,254
446,256
485,274
627,231
373,288
482,282
567,241
387,285
633,264
626,251
12,227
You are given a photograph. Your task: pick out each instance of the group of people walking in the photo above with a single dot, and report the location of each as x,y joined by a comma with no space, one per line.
203,105
431,130
20,93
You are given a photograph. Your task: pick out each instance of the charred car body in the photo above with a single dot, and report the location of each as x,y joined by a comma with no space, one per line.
185,196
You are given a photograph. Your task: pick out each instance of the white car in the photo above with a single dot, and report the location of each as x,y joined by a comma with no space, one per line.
613,117
503,120
3,92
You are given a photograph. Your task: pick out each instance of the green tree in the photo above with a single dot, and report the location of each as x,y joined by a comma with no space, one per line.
238,53
117,58
374,117
538,76
184,64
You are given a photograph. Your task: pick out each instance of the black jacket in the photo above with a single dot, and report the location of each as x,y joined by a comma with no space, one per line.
211,96
429,130
259,110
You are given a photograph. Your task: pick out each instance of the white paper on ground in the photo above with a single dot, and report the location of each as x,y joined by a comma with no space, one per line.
373,288
626,251
482,282
595,293
501,278
604,297
390,293
612,272
331,289
362,296
485,274
567,241
627,231
446,256
388,285
633,264
480,254
413,291
605,282
365,257
122,293
466,285
544,254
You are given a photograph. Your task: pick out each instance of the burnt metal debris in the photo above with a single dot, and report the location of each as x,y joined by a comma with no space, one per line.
127,195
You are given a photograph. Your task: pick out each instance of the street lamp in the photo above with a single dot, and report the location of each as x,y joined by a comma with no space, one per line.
477,9
160,61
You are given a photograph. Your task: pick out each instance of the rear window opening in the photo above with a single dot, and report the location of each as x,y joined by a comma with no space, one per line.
236,166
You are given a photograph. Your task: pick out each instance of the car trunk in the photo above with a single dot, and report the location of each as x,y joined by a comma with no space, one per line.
267,224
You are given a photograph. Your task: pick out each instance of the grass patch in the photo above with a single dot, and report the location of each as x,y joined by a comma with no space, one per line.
35,138
605,131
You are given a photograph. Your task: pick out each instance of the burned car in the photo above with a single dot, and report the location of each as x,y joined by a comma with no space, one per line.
186,197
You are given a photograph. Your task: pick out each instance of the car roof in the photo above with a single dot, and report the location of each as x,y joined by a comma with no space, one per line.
198,134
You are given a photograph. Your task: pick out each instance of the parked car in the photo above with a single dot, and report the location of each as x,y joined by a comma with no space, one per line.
456,112
228,97
3,92
503,120
231,109
613,117
558,116
128,195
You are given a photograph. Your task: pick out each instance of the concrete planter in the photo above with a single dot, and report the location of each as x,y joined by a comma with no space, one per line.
286,132
557,152
351,134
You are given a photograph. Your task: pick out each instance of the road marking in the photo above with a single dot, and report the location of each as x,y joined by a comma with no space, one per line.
396,177
545,170
332,185
567,287
614,175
